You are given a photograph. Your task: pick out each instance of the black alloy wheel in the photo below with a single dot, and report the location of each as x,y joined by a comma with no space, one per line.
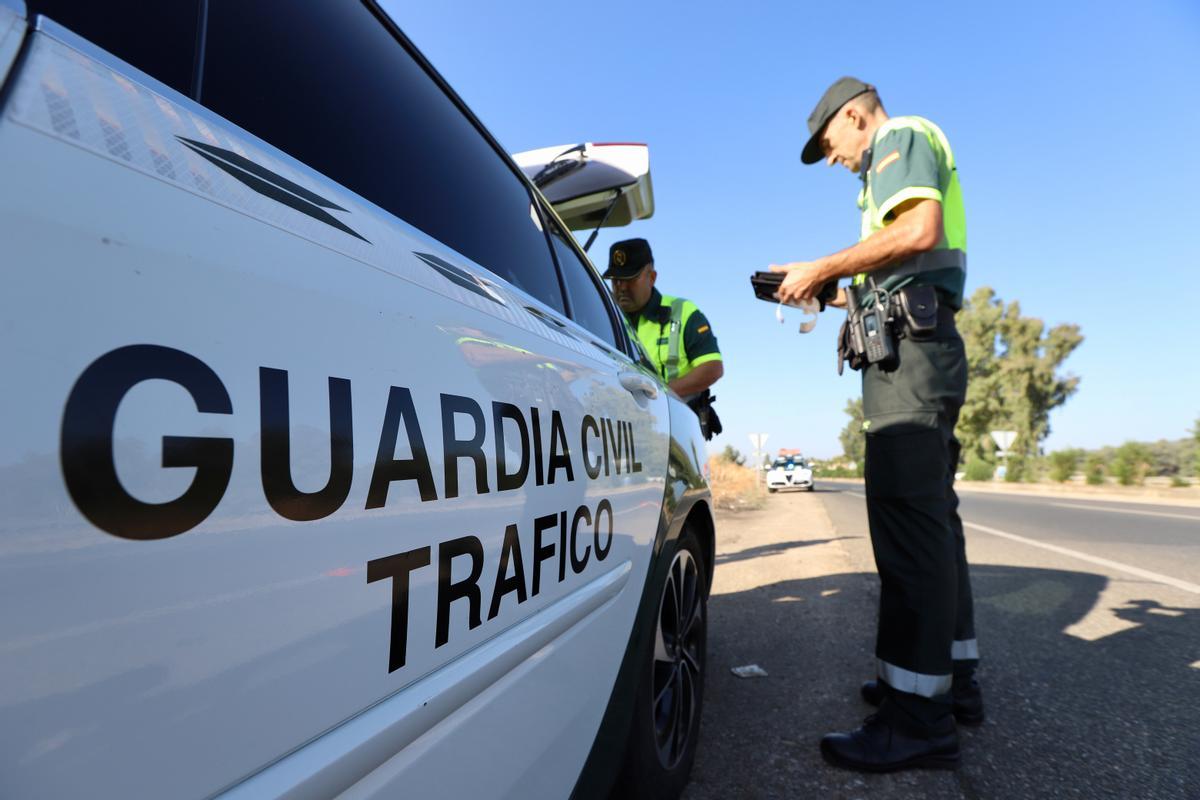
677,675
670,695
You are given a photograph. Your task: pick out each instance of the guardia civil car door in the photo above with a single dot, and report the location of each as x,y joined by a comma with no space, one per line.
326,467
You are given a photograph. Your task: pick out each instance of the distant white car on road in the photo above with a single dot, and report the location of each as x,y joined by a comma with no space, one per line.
789,472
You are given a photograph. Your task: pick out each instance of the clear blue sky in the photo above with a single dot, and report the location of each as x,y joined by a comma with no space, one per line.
1074,126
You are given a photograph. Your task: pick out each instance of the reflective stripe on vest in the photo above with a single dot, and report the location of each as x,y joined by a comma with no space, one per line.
947,255
671,365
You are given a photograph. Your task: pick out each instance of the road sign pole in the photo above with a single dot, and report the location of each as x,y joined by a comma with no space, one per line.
758,441
1004,442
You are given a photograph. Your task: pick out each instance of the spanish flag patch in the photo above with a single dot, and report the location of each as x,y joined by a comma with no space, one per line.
702,329
890,158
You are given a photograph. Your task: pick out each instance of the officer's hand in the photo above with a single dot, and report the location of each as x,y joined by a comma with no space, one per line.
804,279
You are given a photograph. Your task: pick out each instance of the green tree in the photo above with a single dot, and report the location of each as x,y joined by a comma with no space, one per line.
854,441
1093,469
730,455
1013,375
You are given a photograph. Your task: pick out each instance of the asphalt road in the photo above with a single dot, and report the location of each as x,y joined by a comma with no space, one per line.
1088,617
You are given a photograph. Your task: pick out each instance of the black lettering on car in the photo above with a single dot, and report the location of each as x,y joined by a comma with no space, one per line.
278,485
398,568
535,422
559,458
455,448
617,442
448,591
593,470
387,467
634,464
505,480
603,507
86,445
511,550
562,546
579,564
541,552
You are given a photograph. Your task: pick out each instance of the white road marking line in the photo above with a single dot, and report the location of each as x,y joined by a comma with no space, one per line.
1103,562
1128,511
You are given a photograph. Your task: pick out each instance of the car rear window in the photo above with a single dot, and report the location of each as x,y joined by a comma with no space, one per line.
159,37
326,82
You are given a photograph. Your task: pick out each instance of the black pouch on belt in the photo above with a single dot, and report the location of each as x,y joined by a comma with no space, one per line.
920,307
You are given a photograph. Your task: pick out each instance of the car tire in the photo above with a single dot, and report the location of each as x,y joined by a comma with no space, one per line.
811,486
772,489
670,697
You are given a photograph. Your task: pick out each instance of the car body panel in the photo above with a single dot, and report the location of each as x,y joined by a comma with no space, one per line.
250,654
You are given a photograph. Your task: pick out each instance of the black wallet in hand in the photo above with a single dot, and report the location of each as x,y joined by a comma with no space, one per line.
767,283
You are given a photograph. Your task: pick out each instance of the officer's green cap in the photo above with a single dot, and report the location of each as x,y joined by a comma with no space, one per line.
626,259
841,92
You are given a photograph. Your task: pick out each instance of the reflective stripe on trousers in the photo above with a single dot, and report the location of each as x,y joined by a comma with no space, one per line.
904,680
965,650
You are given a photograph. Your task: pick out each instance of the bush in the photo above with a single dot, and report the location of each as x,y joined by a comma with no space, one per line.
735,487
1017,469
1129,464
979,470
1063,464
1094,470
1178,482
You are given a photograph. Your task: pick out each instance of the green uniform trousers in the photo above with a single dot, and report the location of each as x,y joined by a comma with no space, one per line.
926,636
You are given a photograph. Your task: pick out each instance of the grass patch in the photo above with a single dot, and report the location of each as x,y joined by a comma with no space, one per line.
735,488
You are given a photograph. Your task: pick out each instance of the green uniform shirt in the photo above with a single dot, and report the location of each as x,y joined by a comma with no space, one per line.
909,159
695,343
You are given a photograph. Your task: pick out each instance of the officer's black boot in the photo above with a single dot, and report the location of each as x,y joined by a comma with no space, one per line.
886,742
968,699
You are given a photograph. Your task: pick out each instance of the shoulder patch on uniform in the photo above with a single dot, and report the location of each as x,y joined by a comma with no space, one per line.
890,158
702,329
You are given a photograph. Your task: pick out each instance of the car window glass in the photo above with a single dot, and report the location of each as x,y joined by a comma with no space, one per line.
159,37
327,83
588,307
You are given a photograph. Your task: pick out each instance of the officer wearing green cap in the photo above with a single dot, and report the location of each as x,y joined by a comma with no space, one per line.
675,334
912,244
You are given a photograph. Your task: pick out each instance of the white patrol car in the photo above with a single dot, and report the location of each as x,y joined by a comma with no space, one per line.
789,472
329,466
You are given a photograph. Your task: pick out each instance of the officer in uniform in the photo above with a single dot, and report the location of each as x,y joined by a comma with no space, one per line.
674,333
913,237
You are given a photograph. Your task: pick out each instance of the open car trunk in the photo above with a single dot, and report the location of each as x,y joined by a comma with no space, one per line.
593,184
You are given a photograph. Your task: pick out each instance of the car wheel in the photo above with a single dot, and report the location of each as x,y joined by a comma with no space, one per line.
812,486
666,723
772,489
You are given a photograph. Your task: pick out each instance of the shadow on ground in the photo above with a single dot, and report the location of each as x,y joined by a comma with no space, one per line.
774,548
1110,718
